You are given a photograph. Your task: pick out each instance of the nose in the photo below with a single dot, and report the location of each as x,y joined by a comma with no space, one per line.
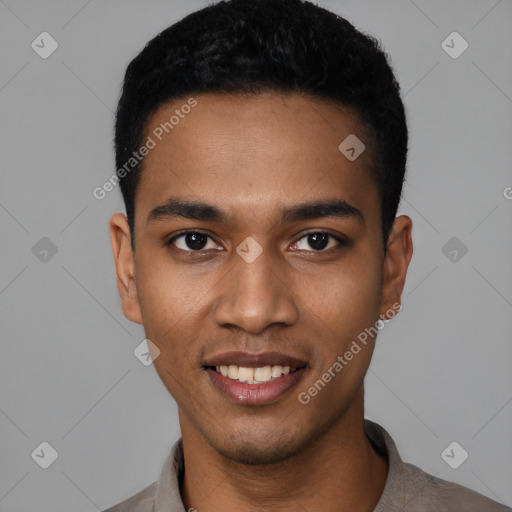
254,296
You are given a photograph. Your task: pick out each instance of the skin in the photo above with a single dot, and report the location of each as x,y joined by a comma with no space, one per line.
251,156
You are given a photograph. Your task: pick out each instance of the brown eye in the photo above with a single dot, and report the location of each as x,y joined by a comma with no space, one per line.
192,241
318,242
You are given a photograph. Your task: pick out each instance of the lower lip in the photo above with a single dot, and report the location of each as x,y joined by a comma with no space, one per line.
263,393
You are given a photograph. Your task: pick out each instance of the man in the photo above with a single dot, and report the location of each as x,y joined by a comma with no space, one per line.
261,150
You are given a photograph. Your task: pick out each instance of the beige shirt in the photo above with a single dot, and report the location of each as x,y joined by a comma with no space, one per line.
407,489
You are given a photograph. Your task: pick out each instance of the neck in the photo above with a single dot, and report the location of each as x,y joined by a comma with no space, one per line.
340,471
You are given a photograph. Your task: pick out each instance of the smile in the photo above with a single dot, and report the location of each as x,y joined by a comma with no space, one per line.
253,375
250,379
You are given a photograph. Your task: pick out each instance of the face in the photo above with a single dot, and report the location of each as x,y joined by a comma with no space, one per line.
258,245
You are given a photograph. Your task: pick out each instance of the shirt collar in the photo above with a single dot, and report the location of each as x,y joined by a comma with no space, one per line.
168,497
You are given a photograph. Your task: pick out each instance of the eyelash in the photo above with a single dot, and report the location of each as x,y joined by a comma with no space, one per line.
341,242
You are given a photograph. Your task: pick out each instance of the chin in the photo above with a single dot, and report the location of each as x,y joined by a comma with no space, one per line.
255,454
249,448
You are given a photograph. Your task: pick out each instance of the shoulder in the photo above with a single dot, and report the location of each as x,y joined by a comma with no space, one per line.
410,488
426,492
143,501
164,492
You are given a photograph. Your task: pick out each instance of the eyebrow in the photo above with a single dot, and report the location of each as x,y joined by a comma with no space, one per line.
197,210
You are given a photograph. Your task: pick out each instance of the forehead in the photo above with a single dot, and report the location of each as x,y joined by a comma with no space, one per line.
254,152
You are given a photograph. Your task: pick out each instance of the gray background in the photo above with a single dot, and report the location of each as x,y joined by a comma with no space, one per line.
68,375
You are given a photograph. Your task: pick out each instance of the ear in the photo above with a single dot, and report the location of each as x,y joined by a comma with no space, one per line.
120,239
398,255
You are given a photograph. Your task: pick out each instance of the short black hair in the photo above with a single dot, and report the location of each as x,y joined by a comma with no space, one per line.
255,46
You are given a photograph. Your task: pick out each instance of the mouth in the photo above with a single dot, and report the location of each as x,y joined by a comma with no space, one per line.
249,375
254,378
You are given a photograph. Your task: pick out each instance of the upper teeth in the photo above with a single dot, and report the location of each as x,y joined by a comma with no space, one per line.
253,375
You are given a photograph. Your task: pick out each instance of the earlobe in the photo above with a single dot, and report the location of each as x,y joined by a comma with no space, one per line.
120,239
398,255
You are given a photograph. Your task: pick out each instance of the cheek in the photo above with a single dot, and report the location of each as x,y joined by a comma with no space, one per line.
163,295
173,309
178,364
348,298
344,308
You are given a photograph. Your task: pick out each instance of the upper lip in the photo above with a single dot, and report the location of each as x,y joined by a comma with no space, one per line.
259,360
